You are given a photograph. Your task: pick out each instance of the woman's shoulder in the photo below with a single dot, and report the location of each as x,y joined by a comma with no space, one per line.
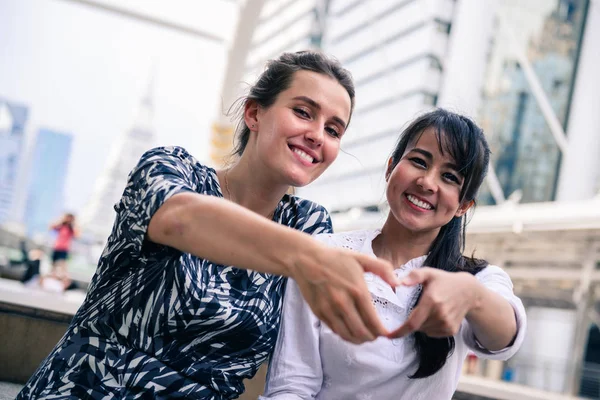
493,274
175,153
304,215
175,161
303,206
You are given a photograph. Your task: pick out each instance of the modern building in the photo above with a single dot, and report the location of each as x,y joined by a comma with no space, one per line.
284,25
98,216
49,168
526,156
13,119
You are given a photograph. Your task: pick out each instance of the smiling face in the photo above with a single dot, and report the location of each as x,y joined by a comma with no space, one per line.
424,187
298,137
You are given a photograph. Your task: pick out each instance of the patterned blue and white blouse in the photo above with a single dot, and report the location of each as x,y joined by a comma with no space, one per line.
158,323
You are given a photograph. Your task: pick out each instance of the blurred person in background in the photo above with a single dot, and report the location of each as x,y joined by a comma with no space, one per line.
167,314
66,230
32,259
448,304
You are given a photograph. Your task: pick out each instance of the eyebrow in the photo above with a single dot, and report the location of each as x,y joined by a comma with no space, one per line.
429,156
316,105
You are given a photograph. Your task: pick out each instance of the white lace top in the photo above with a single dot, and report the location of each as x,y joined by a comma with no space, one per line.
311,362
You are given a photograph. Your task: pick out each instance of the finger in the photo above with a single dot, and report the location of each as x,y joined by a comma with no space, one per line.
379,267
344,307
435,331
358,327
442,326
417,276
414,322
368,313
336,324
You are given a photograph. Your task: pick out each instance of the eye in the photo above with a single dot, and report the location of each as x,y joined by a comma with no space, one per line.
333,132
451,177
419,162
302,112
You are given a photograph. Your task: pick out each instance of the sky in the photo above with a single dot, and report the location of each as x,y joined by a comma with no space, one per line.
83,71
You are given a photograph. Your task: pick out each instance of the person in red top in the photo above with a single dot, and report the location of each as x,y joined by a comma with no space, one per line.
66,232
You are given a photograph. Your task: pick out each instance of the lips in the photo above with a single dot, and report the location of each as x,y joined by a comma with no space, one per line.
304,154
419,202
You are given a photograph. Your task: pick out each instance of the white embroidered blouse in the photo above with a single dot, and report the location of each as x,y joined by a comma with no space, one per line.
311,362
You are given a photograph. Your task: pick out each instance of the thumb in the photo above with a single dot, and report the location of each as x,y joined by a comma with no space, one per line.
381,268
417,276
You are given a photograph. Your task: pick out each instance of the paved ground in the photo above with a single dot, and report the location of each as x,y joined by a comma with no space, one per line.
8,391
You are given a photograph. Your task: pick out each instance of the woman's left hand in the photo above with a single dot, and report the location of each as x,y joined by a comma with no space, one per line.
446,298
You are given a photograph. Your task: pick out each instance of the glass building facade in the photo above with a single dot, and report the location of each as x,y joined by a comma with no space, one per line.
13,119
526,156
46,194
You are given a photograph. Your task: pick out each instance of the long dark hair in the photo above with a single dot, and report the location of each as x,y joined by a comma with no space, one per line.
278,76
466,144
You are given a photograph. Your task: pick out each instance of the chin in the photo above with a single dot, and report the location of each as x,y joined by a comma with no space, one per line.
299,179
412,225
299,182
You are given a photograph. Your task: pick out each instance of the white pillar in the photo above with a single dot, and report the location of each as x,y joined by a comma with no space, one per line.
580,168
222,129
466,62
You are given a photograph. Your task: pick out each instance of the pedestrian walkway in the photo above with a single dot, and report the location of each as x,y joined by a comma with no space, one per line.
8,391
15,293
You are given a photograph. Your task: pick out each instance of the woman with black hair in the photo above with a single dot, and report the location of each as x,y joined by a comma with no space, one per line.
448,303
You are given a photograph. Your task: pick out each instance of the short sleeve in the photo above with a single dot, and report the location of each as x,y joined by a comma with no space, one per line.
496,280
160,174
314,219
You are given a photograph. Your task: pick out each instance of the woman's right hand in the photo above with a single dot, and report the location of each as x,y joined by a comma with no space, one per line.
332,282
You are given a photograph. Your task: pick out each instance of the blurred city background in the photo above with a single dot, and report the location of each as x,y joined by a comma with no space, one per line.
86,86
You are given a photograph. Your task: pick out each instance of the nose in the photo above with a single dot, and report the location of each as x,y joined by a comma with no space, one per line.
315,135
427,181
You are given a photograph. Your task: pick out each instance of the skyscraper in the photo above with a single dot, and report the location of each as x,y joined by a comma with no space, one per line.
98,216
13,118
46,194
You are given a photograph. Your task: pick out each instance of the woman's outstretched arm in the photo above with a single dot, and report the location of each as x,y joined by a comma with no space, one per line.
489,306
331,280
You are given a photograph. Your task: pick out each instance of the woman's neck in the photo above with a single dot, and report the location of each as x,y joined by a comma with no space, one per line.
249,187
399,245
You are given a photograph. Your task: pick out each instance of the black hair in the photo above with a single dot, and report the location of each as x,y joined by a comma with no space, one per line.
466,144
278,76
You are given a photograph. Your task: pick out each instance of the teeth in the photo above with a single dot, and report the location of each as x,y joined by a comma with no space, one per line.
303,155
418,202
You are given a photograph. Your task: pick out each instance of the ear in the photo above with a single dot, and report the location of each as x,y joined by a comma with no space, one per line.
251,115
389,169
464,207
